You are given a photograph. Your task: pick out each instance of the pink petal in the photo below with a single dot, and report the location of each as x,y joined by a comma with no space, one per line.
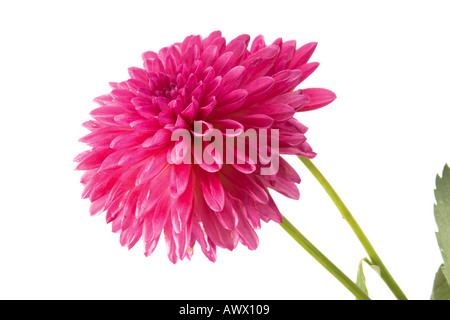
302,149
246,167
122,95
223,63
180,152
182,207
167,117
154,65
170,243
212,227
286,81
126,119
197,94
179,179
152,168
171,65
257,69
102,100
101,137
228,216
161,138
269,52
107,111
303,54
205,129
93,159
190,113
133,157
269,211
259,121
317,98
161,214
152,193
213,88
149,55
182,242
226,107
150,246
279,111
135,85
228,127
253,216
213,191
286,188
238,48
288,49
128,140
149,126
236,182
138,74
247,235
308,69
207,246
214,166
112,161
209,55
97,205
258,88
232,79
212,36
295,99
205,111
287,172
257,44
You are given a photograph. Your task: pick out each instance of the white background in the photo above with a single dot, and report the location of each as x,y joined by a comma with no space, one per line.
380,144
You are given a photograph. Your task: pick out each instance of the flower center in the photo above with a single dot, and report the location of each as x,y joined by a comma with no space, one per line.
170,92
164,85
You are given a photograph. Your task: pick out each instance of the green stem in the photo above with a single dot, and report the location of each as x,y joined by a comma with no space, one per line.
327,264
375,259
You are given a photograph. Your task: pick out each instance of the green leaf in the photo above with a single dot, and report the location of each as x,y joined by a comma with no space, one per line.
442,216
360,278
441,289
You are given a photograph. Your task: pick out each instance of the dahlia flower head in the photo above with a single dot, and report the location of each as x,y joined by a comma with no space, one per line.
130,170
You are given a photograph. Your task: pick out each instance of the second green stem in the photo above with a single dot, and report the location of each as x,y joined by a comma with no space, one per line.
375,259
323,260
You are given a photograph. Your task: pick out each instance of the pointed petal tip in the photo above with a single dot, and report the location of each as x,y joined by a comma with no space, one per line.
318,98
309,155
313,65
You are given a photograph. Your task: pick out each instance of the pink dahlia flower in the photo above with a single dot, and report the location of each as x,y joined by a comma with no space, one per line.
130,172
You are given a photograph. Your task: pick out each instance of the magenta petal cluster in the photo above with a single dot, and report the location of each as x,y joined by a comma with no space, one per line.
225,86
